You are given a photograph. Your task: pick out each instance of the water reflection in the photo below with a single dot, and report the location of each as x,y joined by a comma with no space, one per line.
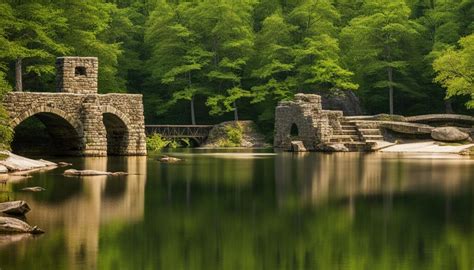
97,202
284,211
319,178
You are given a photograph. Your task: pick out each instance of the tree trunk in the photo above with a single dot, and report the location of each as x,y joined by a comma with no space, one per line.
193,118
448,105
236,112
18,75
390,88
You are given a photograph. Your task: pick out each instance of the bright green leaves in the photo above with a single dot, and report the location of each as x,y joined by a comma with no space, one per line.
329,72
31,31
377,44
455,70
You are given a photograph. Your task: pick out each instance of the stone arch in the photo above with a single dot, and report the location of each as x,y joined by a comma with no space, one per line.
117,128
294,131
47,109
63,132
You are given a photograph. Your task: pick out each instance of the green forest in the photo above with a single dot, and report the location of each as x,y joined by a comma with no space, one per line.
203,62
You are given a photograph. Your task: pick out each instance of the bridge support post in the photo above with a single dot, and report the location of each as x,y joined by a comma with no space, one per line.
95,135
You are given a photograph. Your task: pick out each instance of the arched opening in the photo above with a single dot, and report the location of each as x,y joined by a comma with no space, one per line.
46,134
294,130
117,134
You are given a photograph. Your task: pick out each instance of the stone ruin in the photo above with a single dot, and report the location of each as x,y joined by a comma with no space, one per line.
304,120
78,119
303,125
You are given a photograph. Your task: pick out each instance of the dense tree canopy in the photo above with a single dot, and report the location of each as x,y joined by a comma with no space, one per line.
205,61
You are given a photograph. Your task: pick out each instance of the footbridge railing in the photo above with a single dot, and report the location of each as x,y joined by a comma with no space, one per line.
197,132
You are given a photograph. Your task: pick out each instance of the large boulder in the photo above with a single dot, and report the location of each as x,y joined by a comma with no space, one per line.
343,100
448,134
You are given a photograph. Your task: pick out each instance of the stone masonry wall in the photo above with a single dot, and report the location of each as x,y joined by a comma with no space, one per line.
314,124
77,74
83,114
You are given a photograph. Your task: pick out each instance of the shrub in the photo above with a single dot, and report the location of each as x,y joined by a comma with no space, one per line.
234,134
156,142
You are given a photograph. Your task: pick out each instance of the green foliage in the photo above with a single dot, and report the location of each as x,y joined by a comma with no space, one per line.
455,70
211,60
233,136
6,133
157,142
377,44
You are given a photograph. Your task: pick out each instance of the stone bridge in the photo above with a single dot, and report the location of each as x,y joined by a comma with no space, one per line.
78,119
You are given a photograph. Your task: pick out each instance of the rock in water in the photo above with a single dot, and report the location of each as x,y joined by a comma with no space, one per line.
33,189
332,147
448,134
168,159
14,208
64,164
73,172
13,225
297,146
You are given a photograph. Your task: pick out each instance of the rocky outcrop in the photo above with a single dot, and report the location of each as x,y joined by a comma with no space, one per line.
341,100
15,163
448,134
235,134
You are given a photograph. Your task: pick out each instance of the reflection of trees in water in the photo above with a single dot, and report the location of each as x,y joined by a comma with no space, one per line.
241,228
319,178
80,216
265,221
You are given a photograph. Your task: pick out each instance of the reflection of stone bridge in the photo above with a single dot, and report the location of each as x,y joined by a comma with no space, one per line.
80,121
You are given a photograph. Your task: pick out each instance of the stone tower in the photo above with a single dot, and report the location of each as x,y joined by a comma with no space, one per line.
77,74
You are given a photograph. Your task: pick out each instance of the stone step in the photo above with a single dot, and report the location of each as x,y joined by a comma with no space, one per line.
357,146
347,123
346,132
344,138
373,137
348,127
369,130
366,125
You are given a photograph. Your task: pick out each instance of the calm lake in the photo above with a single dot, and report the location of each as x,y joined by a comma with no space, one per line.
244,210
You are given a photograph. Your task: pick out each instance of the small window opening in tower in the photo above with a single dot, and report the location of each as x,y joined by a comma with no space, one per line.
294,130
80,71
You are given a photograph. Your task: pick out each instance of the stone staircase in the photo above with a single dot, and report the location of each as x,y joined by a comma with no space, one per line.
357,136
369,132
349,136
